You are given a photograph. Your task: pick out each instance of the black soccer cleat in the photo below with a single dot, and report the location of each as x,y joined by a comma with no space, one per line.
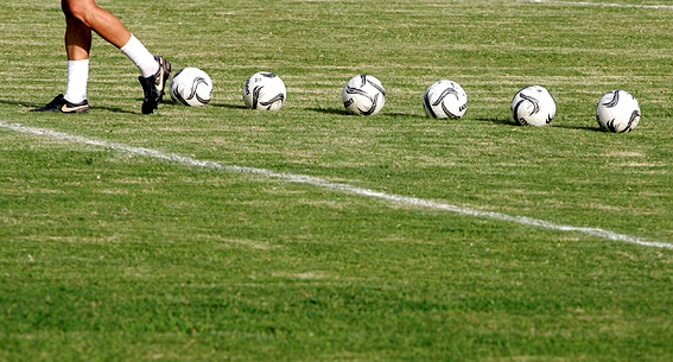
60,104
154,85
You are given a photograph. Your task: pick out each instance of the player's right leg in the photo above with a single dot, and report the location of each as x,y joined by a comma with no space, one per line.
154,70
84,16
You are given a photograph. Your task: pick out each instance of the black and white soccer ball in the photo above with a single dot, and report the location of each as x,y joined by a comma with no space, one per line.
264,91
363,95
533,106
191,87
618,112
445,99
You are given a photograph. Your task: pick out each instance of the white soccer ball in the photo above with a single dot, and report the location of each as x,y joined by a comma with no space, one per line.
618,112
191,87
264,91
364,95
534,106
445,99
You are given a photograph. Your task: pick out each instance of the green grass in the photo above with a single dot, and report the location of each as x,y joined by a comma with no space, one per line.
106,255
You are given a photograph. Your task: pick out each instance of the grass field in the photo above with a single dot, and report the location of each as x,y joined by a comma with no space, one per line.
107,253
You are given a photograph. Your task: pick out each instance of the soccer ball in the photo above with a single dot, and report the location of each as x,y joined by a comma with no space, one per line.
534,106
364,95
445,99
618,112
264,91
191,87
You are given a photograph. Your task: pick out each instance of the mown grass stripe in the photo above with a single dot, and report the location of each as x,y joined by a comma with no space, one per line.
608,5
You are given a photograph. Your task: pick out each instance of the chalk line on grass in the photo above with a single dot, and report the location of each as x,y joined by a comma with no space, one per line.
606,5
332,186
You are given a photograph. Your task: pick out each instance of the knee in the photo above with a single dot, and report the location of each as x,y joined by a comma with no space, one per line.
77,9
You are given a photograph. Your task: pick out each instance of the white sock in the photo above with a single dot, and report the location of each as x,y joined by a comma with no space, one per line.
142,58
78,78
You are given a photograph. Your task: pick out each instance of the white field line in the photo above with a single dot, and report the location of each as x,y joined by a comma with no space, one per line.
337,187
606,5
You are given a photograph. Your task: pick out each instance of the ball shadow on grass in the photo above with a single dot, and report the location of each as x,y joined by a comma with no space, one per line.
511,122
498,120
228,106
583,128
343,112
338,111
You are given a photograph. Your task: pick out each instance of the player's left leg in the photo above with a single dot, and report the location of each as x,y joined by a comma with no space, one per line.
77,47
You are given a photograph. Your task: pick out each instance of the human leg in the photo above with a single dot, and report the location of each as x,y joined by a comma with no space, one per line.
104,23
83,17
110,28
77,46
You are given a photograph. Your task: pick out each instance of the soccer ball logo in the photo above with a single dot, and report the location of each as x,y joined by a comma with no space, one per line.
445,99
534,106
191,87
618,112
363,95
264,91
